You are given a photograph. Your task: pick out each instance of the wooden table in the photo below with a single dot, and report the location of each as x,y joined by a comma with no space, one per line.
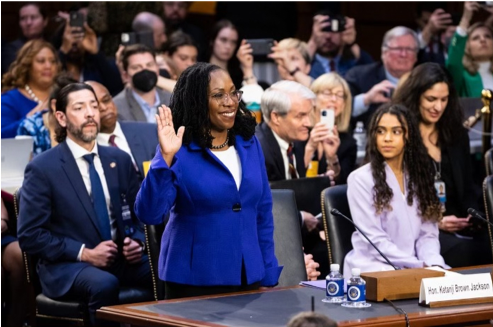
276,306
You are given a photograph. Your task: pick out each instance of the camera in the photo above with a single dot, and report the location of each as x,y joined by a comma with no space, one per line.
261,47
146,38
337,24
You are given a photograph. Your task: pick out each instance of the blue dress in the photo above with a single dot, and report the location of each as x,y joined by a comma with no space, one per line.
15,107
35,127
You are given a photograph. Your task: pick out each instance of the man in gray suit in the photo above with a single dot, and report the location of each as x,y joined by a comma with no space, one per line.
141,98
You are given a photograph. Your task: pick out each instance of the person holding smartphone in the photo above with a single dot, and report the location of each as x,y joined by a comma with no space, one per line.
431,97
471,54
331,147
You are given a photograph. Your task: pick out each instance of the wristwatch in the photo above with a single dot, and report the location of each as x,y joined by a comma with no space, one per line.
294,71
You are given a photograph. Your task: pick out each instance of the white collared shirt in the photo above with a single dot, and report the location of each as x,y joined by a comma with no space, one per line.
120,140
78,152
284,151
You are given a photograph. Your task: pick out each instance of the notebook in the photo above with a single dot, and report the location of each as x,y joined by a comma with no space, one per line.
16,154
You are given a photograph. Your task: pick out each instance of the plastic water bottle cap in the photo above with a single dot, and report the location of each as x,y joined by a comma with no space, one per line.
334,267
356,271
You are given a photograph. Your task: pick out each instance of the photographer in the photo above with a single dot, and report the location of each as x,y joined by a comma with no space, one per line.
333,45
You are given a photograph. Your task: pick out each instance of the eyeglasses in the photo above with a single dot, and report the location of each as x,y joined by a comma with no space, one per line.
335,96
402,49
235,96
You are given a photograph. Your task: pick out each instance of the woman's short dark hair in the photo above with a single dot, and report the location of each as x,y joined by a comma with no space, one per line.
421,79
190,108
41,9
176,40
62,103
133,49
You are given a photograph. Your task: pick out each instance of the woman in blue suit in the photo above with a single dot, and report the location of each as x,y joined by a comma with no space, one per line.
209,174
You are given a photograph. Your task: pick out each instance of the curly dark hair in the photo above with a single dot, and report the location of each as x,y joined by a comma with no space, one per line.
416,163
190,108
421,79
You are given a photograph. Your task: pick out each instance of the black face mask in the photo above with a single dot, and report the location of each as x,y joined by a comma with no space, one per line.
145,80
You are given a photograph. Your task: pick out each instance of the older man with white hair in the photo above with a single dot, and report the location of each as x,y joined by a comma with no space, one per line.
372,84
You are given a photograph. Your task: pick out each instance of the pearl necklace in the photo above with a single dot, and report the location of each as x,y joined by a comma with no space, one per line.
31,94
217,147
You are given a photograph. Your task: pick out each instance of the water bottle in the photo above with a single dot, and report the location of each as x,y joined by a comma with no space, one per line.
334,286
359,135
356,291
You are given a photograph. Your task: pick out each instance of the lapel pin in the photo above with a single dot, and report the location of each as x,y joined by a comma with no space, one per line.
113,164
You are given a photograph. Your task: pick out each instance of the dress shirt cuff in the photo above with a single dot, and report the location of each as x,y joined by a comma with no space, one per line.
460,31
79,256
359,105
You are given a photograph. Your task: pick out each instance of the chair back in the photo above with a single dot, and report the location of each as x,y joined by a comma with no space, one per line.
488,161
488,205
287,238
306,191
153,235
338,231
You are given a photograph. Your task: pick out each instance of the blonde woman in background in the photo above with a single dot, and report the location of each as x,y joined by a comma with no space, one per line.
333,149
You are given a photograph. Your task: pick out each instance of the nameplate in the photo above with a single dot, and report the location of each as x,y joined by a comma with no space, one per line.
455,287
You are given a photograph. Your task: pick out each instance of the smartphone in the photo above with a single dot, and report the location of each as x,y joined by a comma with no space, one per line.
146,38
261,47
327,116
456,17
337,24
476,222
76,19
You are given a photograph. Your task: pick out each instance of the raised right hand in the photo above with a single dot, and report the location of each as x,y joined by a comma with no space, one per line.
169,141
469,8
103,255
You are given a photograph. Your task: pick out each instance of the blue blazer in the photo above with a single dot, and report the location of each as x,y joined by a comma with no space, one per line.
57,215
142,140
214,228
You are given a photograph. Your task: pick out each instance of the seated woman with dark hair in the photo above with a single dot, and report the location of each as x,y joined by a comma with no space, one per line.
180,52
431,97
27,85
392,198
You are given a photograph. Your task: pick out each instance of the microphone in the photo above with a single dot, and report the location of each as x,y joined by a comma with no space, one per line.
338,213
476,214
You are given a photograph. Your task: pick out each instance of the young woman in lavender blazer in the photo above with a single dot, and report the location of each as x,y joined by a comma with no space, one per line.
392,198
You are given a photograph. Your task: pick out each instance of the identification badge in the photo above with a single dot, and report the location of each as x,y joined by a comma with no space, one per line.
127,218
441,193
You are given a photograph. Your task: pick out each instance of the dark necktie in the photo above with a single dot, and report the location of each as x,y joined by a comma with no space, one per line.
332,65
112,141
292,170
98,198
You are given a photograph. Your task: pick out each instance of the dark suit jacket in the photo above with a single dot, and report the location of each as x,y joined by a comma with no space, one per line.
273,157
129,108
57,215
465,188
142,140
361,79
